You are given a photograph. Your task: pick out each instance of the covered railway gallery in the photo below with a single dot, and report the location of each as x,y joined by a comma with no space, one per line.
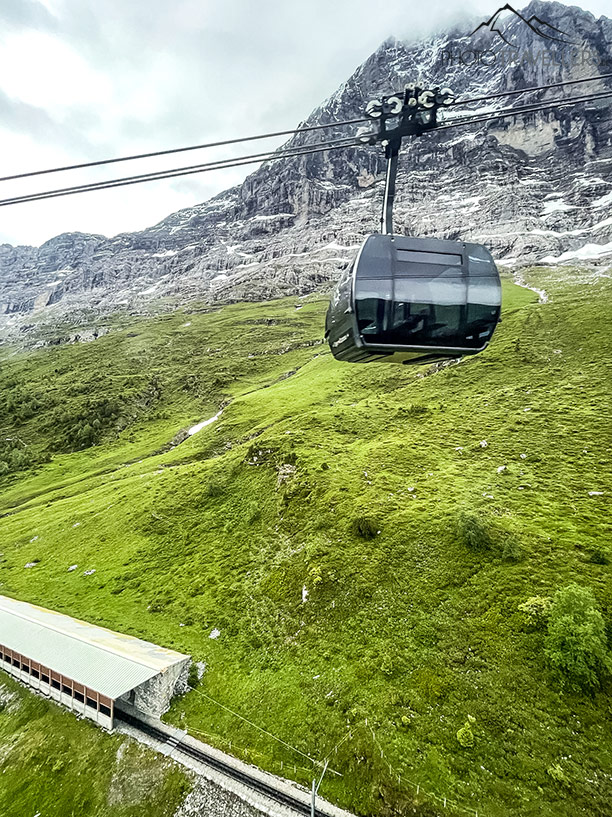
89,669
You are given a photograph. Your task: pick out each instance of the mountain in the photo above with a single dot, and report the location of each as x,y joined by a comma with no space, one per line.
532,189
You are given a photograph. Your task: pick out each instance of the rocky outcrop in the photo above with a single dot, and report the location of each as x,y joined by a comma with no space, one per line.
533,188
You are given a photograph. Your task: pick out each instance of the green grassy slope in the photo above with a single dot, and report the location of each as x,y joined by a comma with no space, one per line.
55,766
402,636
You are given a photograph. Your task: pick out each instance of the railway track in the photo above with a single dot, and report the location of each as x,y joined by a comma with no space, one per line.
279,796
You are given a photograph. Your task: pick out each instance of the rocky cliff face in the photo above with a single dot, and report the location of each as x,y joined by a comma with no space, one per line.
535,188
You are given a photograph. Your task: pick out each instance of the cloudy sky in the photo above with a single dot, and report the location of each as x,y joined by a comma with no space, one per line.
83,80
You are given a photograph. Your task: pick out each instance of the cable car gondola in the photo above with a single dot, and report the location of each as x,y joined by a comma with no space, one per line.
412,300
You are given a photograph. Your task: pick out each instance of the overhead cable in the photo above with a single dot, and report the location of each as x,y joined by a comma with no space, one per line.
488,116
180,171
222,143
283,154
289,132
533,89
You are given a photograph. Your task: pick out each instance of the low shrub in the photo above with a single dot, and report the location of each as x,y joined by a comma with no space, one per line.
15,456
364,527
556,772
465,735
536,611
214,488
599,557
253,513
512,550
415,410
192,677
473,532
576,645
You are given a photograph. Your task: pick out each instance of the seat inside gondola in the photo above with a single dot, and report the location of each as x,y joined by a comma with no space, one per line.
414,300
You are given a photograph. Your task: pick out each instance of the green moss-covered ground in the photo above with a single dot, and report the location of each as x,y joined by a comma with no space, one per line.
53,765
403,634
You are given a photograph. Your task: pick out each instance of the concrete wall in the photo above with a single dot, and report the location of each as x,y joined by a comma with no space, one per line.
154,696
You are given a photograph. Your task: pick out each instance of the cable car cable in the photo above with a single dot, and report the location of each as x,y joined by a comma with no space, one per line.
294,131
271,156
489,116
528,90
161,173
176,172
222,143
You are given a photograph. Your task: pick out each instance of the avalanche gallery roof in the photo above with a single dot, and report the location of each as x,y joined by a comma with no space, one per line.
107,662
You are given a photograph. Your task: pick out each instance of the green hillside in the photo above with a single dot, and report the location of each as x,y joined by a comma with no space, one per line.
361,537
53,765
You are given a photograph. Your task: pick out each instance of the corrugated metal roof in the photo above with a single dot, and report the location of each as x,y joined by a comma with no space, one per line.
108,662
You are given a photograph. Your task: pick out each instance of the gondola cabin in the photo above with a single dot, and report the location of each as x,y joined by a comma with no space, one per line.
414,300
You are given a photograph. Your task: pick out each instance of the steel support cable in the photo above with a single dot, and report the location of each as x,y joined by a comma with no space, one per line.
529,90
517,111
180,171
295,131
255,158
222,143
259,728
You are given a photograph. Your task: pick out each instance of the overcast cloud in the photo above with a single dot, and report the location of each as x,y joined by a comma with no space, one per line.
83,80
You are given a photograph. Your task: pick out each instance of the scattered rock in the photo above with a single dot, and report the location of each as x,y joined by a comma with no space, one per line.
285,472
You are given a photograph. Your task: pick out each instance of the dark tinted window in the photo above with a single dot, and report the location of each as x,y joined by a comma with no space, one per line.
375,258
372,305
484,296
444,259
480,261
428,311
451,311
